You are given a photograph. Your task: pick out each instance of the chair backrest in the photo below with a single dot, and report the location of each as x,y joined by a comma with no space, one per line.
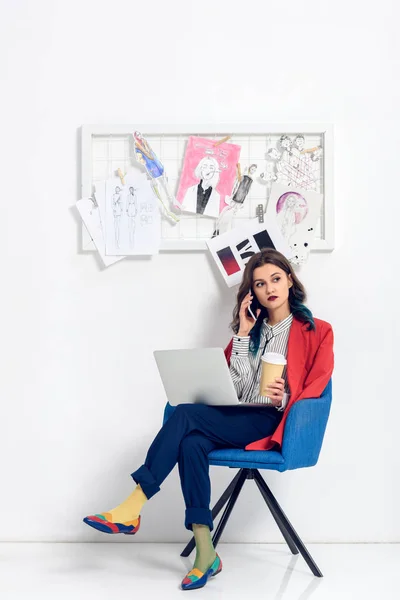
304,430
168,410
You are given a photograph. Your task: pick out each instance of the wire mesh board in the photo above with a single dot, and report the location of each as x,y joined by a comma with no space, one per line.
105,149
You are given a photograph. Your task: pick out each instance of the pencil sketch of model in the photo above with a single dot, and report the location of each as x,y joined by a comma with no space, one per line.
288,216
117,212
239,194
131,211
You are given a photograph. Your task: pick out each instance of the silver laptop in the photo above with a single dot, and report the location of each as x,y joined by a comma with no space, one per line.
200,375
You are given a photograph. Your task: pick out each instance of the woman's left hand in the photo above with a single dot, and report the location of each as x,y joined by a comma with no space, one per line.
275,391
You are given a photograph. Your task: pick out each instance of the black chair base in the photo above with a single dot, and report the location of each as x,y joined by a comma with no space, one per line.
229,498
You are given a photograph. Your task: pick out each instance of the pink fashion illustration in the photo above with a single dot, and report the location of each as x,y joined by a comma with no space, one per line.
208,176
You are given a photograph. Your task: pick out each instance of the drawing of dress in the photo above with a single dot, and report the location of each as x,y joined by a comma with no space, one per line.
146,156
239,195
293,211
288,223
131,211
159,181
242,189
152,164
117,212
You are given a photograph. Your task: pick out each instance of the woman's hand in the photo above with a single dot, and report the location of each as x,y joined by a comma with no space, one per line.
246,321
275,391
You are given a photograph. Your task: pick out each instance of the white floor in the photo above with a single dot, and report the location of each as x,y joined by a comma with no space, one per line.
146,571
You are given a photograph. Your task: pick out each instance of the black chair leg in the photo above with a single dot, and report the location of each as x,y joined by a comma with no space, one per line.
227,512
287,525
216,510
292,546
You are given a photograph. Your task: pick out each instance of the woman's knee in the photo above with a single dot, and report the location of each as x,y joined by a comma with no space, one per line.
195,443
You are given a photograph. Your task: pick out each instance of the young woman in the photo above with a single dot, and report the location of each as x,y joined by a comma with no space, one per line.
282,324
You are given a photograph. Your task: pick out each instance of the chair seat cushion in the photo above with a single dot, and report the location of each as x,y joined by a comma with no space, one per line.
233,457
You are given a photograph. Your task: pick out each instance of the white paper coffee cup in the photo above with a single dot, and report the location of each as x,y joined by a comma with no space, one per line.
272,365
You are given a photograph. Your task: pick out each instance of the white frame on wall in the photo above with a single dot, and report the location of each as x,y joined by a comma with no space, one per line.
325,243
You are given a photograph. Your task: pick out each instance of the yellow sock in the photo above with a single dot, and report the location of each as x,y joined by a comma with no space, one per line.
130,508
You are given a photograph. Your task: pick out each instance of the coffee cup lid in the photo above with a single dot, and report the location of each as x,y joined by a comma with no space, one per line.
274,358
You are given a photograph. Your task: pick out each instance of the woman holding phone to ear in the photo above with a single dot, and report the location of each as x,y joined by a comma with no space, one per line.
283,324
272,292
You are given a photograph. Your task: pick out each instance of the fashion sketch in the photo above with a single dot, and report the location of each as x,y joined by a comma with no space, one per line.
117,206
124,234
208,176
296,212
131,211
291,209
239,195
146,157
293,165
202,198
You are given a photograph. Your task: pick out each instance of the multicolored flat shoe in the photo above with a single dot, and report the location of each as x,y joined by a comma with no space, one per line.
103,523
196,579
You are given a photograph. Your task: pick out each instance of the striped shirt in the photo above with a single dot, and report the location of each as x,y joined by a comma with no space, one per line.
245,367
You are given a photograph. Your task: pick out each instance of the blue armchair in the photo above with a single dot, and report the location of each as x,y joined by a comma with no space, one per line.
301,445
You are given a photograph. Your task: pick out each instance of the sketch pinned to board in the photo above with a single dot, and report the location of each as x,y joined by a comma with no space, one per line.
240,191
146,157
296,211
123,206
232,250
208,176
293,164
89,210
131,212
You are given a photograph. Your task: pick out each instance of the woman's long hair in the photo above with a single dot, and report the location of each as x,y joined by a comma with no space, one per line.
297,294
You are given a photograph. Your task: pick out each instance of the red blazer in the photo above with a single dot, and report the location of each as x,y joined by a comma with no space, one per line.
309,369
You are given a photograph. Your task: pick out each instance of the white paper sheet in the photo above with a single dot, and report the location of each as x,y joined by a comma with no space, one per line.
91,217
232,250
132,216
296,211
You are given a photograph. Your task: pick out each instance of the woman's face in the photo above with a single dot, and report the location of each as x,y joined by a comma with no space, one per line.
271,286
300,143
286,143
291,201
207,170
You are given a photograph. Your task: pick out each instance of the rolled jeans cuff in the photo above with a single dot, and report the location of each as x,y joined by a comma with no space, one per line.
145,479
200,516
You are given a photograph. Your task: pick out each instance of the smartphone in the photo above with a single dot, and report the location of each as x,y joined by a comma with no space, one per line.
252,307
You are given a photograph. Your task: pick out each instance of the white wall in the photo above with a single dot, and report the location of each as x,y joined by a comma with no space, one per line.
80,396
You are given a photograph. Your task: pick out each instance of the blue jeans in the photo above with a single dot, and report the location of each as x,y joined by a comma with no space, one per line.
191,432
